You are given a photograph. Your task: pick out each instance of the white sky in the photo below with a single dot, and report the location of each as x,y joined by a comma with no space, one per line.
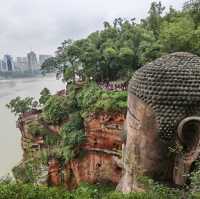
41,25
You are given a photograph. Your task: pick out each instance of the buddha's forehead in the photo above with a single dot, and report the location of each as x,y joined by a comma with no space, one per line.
171,86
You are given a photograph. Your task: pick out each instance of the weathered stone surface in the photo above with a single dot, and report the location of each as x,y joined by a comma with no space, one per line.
161,95
29,143
103,143
104,131
145,153
97,162
96,167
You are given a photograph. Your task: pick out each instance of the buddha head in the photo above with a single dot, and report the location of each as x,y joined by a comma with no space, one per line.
163,121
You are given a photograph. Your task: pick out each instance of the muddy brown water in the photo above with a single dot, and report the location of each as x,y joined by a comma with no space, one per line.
10,146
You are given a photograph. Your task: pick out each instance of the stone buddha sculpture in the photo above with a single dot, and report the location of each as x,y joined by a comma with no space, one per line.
163,121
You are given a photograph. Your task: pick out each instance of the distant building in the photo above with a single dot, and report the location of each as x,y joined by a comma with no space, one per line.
42,58
1,65
8,64
21,63
32,61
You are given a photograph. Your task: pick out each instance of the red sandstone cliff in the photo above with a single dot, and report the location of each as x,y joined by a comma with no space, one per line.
96,164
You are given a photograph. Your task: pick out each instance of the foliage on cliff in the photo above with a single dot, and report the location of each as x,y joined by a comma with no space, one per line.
56,109
45,94
72,134
37,129
19,105
93,99
28,172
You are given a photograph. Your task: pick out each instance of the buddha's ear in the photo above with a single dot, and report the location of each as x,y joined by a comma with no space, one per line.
189,133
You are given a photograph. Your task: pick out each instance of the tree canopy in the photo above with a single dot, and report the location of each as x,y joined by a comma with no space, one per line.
123,46
19,105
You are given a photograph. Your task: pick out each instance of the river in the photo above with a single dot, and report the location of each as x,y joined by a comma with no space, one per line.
10,146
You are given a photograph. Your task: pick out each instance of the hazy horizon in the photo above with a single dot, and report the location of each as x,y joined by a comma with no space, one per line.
42,25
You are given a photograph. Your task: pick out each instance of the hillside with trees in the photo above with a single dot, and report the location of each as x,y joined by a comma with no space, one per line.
97,70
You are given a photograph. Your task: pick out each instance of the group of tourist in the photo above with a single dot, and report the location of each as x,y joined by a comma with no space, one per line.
114,86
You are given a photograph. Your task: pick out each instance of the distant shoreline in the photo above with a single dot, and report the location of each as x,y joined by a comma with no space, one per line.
23,75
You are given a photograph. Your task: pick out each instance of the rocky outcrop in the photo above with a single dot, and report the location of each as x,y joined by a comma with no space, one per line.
104,131
96,166
29,143
103,143
96,161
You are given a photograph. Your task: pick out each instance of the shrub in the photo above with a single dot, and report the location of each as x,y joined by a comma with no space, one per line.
112,102
56,109
158,190
27,172
84,191
52,139
37,129
56,152
94,99
72,131
73,135
194,177
44,96
88,96
29,191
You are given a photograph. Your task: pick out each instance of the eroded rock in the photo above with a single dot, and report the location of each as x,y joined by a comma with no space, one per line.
97,161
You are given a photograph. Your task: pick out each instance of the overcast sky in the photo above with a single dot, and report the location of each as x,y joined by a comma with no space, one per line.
41,25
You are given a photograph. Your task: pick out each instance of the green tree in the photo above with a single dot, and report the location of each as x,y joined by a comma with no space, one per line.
177,35
68,60
194,10
44,96
56,109
195,41
49,65
154,20
19,105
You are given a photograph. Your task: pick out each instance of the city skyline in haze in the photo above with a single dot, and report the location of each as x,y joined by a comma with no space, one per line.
41,26
29,62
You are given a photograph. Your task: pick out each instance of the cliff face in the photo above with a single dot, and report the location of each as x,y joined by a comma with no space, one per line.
103,143
96,167
104,132
96,159
28,143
